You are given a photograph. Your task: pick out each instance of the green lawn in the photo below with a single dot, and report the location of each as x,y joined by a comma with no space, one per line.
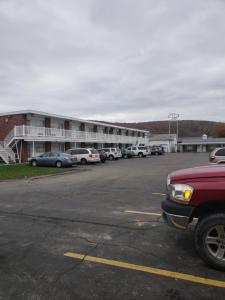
20,171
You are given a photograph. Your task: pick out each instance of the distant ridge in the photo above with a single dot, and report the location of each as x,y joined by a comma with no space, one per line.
187,128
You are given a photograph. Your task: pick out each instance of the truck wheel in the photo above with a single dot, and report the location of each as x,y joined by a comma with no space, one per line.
111,157
210,240
140,154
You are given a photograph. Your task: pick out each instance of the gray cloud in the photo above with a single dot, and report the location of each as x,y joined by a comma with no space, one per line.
120,60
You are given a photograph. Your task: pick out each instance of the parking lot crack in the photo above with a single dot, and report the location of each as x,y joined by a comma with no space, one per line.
121,225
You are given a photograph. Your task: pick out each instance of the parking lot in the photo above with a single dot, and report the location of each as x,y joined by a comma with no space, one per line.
97,233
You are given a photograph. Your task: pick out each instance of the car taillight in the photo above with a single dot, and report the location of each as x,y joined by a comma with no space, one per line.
212,158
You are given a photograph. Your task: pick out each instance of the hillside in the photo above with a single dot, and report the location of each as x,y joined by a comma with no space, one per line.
187,128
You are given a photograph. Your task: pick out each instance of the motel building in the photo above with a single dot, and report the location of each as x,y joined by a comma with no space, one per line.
200,144
28,133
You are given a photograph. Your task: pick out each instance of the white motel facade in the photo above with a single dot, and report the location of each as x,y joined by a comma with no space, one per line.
28,133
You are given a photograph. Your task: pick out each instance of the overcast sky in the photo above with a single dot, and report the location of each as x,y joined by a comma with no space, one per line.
114,60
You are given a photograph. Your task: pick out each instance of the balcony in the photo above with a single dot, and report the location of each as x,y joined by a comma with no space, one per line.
31,133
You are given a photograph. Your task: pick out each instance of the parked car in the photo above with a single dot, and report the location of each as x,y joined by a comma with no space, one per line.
156,150
199,193
85,155
217,156
112,153
103,156
54,159
127,153
140,151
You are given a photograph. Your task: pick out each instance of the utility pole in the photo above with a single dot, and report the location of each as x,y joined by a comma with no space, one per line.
173,117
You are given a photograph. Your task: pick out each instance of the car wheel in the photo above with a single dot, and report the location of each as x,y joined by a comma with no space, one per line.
58,164
156,153
111,157
210,240
140,154
125,156
83,161
34,163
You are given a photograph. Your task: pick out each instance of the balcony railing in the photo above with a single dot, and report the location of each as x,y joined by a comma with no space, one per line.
61,135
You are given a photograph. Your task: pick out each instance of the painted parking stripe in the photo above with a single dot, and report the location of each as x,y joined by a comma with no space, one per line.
155,271
159,194
143,213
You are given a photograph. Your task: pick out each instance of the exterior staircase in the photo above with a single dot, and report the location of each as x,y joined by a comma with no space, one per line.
7,155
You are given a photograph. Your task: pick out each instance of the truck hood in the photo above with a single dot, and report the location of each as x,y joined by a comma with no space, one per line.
209,171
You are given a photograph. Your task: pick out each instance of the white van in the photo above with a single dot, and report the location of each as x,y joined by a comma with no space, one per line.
85,155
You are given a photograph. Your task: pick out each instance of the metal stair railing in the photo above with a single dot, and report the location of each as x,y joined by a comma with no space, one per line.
9,138
4,155
6,152
11,153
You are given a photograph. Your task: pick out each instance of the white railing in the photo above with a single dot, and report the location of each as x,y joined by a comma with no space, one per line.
4,155
7,154
9,137
11,153
41,133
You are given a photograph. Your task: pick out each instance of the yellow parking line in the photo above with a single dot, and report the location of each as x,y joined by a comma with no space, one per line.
160,194
142,213
161,272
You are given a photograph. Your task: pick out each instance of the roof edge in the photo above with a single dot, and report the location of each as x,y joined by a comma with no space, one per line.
35,112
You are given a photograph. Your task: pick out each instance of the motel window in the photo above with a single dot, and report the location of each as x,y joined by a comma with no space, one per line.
39,147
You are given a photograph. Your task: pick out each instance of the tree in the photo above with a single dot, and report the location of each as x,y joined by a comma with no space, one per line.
183,132
220,130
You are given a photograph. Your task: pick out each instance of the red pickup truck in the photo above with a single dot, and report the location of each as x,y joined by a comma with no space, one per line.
199,193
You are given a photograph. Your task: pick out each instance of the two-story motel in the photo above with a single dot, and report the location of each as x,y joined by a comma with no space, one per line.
27,133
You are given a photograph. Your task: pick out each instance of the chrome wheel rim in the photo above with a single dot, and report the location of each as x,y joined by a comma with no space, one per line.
59,164
215,242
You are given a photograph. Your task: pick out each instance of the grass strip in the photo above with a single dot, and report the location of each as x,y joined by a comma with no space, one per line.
21,171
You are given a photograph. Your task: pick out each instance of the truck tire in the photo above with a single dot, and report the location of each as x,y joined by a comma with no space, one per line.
210,240
111,157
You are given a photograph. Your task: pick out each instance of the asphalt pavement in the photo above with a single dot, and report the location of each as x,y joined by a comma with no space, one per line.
97,233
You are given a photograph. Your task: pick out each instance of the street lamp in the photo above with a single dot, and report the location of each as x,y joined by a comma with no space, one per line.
173,117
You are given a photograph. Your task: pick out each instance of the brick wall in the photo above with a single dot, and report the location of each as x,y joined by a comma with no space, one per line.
67,125
47,122
7,123
24,154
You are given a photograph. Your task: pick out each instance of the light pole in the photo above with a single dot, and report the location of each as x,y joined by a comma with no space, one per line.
173,117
